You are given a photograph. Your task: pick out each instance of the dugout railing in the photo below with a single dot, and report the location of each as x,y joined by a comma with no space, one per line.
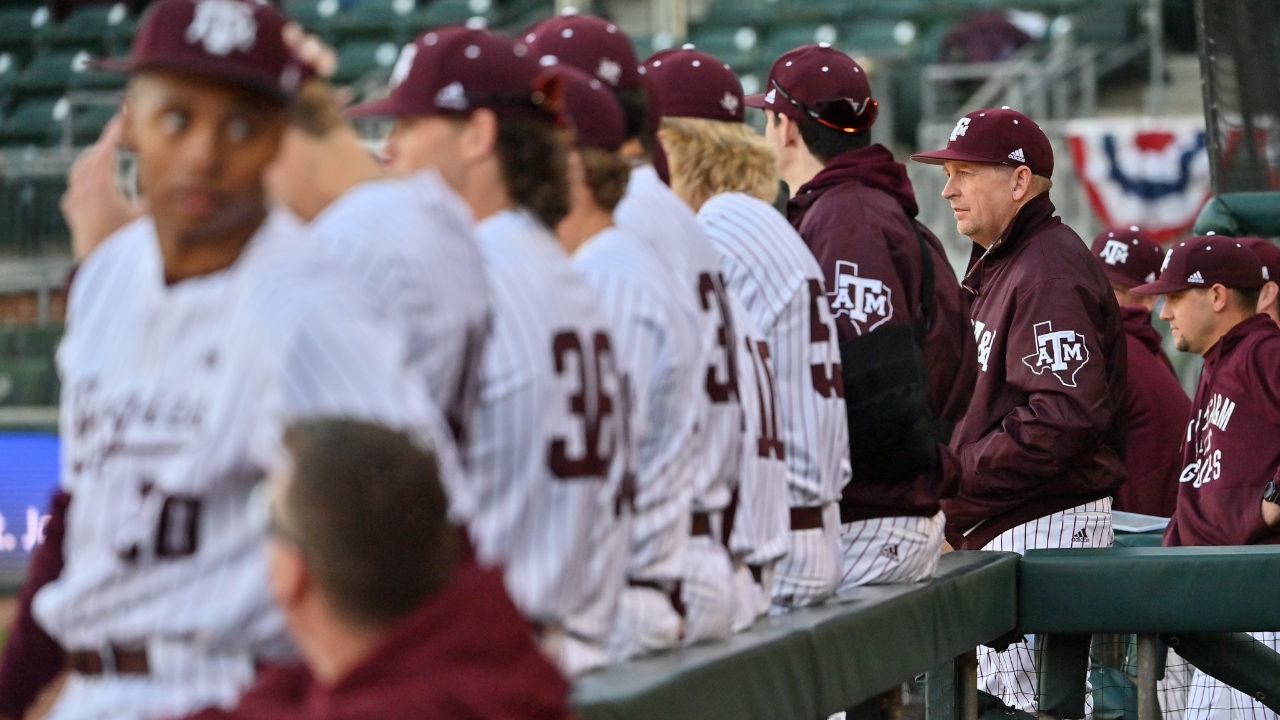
815,662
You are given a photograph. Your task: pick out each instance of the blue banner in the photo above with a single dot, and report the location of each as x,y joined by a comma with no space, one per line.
28,477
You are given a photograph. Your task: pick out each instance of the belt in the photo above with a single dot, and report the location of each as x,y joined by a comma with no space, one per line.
110,660
806,518
701,524
677,602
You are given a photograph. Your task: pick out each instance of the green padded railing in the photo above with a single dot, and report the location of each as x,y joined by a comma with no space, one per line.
1241,213
811,663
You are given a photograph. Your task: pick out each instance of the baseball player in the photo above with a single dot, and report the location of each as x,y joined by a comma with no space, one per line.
725,172
194,335
471,105
1227,494
676,558
1157,409
655,215
1269,255
855,209
409,242
1042,446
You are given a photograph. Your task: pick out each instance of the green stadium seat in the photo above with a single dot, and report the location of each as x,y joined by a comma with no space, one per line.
87,122
27,381
85,77
8,71
361,57
50,72
450,12
520,23
382,19
8,342
22,26
91,26
740,46
314,15
784,39
39,341
878,38
36,120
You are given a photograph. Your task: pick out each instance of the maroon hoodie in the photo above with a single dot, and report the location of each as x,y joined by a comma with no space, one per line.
1045,431
855,216
1158,412
467,654
1233,441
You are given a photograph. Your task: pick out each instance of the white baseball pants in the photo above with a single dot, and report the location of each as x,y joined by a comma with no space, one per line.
810,572
891,550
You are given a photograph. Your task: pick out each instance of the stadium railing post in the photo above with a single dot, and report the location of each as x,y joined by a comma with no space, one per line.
951,689
1149,649
1063,664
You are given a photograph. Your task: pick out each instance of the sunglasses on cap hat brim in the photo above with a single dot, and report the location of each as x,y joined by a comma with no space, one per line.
865,112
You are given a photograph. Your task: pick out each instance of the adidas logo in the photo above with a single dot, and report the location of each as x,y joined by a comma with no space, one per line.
1265,275
1196,277
452,97
770,96
1081,536
1017,155
890,551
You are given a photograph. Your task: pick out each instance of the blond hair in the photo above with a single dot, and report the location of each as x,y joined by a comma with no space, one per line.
709,157
316,109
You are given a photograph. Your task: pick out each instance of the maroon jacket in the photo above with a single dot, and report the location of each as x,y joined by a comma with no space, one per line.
855,216
1158,412
1233,441
467,654
1045,431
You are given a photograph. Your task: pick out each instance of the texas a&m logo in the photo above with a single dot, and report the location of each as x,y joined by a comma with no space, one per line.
1115,253
223,26
866,301
1061,352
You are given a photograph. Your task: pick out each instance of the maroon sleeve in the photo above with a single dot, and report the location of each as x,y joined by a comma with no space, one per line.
1068,405
31,658
863,282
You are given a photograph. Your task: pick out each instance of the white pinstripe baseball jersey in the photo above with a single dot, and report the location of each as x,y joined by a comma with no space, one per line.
650,211
768,267
410,245
543,439
761,521
658,352
174,402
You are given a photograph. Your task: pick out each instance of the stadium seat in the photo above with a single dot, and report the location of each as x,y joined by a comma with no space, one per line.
92,26
784,39
738,46
50,72
39,341
450,12
380,19
37,120
8,342
878,38
26,381
314,15
85,77
361,57
22,26
8,71
87,122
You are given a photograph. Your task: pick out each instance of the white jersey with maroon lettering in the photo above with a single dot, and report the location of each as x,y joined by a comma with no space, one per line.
175,398
768,267
543,442
410,244
652,212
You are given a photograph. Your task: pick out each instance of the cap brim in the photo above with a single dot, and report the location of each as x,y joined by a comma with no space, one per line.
938,157
755,101
1161,287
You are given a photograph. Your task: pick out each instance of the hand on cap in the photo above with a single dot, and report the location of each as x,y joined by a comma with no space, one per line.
310,49
94,205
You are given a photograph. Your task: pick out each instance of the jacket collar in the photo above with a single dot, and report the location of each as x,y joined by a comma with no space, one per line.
1260,323
1033,218
872,166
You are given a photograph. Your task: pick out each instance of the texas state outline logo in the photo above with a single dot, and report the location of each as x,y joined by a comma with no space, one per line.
1061,352
867,302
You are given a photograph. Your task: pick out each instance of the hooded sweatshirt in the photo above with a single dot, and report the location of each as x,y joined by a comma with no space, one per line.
1158,412
464,654
1233,441
1045,431
855,216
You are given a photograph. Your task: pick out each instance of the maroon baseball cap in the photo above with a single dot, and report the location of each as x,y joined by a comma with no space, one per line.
1128,256
1267,253
455,70
594,46
1205,261
237,41
1001,137
693,84
592,109
821,83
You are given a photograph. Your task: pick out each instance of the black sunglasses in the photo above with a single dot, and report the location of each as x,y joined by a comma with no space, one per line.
828,106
